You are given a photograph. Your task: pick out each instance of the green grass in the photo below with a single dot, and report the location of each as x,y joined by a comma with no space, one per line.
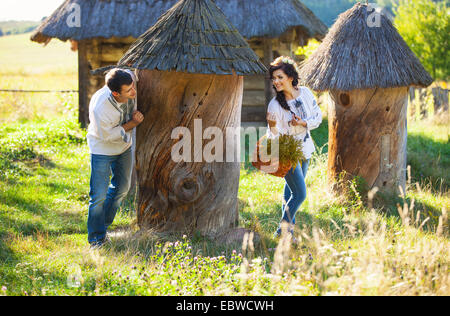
345,248
44,182
429,153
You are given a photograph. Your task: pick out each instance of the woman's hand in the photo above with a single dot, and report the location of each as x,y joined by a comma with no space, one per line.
271,119
298,121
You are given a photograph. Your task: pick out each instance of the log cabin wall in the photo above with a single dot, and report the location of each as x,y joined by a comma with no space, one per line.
254,103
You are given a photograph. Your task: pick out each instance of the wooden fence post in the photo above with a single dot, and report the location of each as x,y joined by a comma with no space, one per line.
440,98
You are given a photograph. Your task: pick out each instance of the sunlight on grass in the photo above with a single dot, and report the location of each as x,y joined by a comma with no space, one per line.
25,65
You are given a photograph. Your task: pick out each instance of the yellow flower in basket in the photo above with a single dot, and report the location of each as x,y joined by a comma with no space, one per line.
276,156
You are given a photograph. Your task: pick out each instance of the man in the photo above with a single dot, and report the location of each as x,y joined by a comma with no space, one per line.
112,115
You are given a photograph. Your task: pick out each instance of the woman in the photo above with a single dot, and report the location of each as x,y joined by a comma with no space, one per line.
293,111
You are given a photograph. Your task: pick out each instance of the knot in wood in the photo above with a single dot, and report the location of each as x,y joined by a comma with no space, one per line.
186,186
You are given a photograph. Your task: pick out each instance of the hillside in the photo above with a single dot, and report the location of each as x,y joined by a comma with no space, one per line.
17,27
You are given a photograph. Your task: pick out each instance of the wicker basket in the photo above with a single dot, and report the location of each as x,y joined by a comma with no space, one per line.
283,168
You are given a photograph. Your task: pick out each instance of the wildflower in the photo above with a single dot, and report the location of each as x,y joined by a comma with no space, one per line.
287,60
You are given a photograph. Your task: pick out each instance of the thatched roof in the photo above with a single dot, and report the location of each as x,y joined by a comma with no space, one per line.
354,55
124,18
194,36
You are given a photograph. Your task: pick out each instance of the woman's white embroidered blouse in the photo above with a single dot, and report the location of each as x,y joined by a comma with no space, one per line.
305,106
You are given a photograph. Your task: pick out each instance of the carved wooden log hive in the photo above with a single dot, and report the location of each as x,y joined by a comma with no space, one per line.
190,67
367,68
186,196
367,136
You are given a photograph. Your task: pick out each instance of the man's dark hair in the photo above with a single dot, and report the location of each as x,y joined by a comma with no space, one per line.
116,78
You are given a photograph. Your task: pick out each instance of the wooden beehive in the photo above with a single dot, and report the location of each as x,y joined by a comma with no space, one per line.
367,70
190,66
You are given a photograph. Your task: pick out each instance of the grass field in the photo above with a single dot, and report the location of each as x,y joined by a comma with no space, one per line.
346,247
30,66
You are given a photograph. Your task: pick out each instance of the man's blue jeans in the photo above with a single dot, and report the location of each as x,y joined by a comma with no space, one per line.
106,197
294,194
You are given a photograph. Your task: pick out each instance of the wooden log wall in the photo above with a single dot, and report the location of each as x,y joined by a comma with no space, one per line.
256,97
83,85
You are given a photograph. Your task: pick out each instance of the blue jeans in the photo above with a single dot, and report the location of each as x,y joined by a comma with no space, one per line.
106,197
294,194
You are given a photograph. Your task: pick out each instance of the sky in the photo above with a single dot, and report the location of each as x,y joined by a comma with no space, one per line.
30,10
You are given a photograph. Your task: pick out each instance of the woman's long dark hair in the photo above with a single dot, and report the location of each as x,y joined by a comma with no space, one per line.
287,65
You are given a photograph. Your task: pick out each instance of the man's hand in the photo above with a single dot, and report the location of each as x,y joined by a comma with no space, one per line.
137,119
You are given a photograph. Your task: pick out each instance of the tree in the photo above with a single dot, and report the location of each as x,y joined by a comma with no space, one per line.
305,51
425,27
328,10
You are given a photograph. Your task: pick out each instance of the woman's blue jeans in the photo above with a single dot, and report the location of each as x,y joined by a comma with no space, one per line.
106,196
294,194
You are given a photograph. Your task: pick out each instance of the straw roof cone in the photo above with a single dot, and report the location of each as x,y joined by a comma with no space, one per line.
355,54
119,18
194,37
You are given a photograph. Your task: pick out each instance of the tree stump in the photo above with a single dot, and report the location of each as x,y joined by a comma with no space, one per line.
187,196
367,136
